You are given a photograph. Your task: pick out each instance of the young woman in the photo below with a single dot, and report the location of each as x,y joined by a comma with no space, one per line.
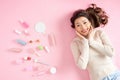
91,47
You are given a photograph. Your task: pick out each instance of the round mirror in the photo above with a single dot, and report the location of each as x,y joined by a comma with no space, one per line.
40,27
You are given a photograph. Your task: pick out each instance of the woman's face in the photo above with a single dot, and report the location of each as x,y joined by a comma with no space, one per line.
82,26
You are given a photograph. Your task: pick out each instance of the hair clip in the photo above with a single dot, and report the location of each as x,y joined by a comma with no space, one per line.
19,41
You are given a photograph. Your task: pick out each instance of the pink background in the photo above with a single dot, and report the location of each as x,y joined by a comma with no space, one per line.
55,14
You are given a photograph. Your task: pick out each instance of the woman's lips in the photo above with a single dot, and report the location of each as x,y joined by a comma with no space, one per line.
84,31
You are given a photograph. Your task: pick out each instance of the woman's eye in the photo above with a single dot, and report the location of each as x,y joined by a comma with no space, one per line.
78,25
85,22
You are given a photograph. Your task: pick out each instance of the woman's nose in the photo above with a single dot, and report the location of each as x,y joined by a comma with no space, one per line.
84,27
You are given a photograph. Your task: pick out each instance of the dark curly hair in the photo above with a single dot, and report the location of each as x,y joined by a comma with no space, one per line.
93,13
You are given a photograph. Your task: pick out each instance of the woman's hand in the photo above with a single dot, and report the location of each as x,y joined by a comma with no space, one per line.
80,36
83,39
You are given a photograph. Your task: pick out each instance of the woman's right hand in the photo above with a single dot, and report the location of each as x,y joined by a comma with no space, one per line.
80,36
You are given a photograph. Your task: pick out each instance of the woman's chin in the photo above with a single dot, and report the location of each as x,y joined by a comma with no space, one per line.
85,35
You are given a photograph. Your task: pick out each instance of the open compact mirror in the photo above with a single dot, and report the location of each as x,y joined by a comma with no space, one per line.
40,27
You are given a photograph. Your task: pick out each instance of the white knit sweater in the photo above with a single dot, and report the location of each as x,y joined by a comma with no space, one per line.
94,55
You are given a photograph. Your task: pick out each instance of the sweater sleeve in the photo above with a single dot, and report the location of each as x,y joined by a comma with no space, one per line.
80,53
105,48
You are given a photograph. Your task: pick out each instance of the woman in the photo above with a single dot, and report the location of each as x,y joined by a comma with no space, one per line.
91,47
